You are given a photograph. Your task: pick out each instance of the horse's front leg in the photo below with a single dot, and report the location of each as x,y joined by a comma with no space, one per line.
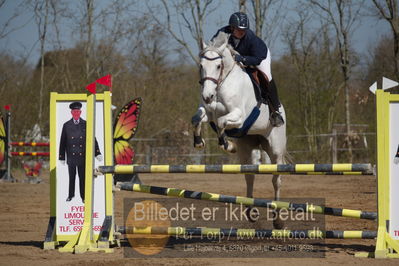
198,118
228,121
232,119
224,143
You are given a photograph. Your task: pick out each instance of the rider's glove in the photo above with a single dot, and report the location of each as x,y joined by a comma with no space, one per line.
238,58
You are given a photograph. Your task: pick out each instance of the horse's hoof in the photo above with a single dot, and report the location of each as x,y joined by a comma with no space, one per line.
231,147
276,119
252,214
277,222
199,143
199,146
229,150
223,148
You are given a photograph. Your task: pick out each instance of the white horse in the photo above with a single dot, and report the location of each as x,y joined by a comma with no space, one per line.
228,102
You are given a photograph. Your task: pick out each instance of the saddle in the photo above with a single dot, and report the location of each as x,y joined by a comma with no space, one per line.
260,83
266,93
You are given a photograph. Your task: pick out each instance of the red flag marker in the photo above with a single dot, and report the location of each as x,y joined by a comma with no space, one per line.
7,107
91,87
106,80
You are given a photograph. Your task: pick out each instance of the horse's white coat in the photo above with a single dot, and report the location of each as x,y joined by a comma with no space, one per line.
229,102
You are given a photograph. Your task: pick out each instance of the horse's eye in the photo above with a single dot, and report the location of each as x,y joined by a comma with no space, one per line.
218,66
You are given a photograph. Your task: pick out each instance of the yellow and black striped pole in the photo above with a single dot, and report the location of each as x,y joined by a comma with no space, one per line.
255,202
333,169
259,234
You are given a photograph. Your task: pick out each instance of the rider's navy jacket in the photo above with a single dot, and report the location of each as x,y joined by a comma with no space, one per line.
251,47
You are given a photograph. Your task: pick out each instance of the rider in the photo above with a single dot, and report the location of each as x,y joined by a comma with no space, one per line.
253,52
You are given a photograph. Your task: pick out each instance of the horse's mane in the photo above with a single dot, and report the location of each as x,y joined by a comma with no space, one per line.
218,41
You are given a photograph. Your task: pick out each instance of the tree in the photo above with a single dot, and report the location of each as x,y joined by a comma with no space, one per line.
310,72
388,10
9,26
41,9
268,16
15,90
242,5
342,15
184,18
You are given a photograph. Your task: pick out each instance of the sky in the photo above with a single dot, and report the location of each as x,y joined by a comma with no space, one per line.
24,41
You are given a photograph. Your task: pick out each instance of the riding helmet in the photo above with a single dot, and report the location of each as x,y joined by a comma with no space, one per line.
239,20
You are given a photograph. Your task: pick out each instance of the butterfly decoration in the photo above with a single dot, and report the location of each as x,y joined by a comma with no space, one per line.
2,139
125,128
32,171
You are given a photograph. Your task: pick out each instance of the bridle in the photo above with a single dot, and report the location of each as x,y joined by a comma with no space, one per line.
216,81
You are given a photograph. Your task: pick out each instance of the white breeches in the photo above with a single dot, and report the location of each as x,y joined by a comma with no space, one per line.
265,66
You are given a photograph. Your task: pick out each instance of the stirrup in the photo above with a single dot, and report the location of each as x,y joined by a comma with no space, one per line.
276,119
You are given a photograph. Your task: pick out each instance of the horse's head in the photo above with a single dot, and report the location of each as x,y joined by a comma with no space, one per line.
215,62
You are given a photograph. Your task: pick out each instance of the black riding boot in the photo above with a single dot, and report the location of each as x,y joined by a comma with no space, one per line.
274,104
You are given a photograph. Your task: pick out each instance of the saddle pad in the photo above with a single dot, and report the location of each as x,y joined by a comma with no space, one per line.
241,132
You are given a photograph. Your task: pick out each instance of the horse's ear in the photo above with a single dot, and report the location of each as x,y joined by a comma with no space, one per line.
222,47
223,40
224,37
204,46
